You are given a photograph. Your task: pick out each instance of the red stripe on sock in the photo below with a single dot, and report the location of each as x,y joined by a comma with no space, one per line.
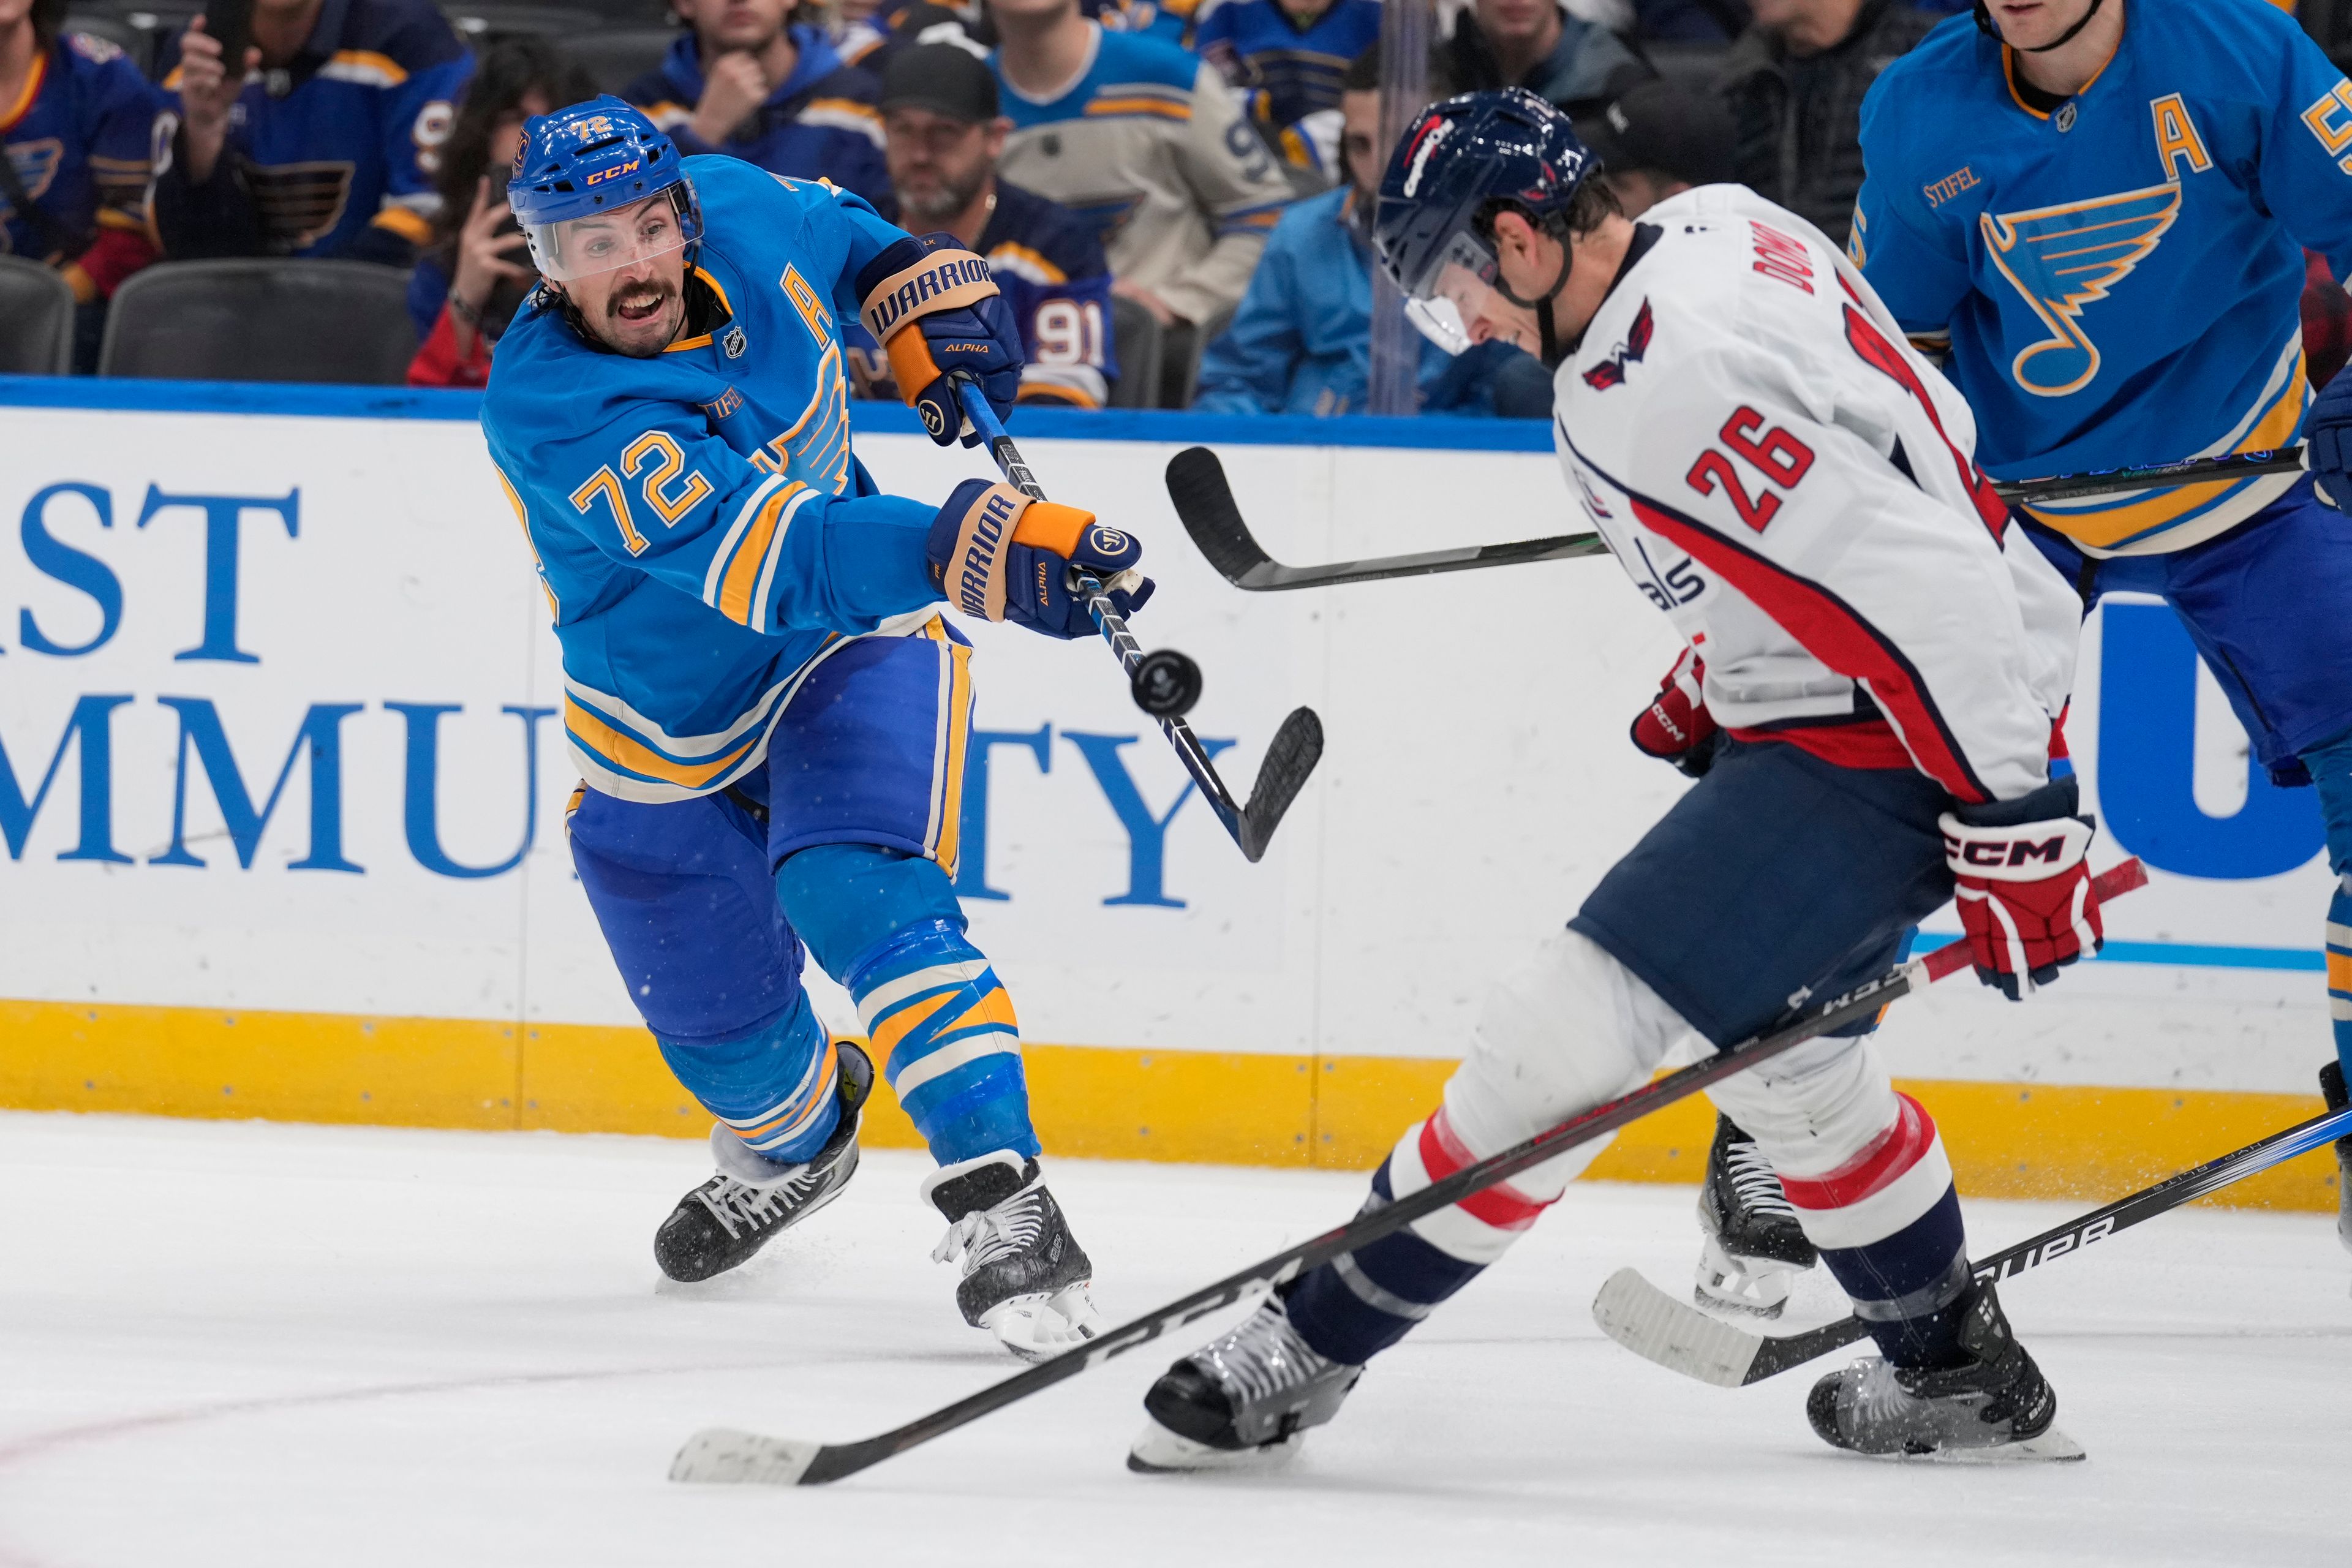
1502,1206
1876,1168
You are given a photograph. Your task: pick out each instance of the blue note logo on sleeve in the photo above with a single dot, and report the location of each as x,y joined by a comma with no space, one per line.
2066,257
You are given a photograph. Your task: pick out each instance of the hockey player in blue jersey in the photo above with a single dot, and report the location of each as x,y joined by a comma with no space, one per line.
2095,209
769,713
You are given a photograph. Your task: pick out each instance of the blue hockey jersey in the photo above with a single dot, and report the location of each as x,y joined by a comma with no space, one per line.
80,137
2116,281
341,141
1291,72
701,526
821,122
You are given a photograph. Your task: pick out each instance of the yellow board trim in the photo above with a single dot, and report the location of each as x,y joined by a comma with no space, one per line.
2006,1140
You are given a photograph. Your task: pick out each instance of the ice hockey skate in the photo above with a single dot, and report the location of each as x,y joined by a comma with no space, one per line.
1241,1402
1753,1249
750,1201
1025,1278
1993,1408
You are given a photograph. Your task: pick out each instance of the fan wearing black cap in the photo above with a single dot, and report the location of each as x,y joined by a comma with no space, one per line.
943,134
1660,140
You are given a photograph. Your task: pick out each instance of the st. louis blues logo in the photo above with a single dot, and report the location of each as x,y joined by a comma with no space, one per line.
1611,372
2066,257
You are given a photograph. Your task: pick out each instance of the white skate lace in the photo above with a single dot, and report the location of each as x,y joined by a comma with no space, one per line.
983,1236
1879,1397
1753,1181
1262,1357
732,1203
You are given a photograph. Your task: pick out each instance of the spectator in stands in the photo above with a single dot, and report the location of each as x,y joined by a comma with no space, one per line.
746,81
477,273
77,128
329,151
1795,82
1288,56
944,134
1534,44
1301,341
1145,143
1658,141
872,35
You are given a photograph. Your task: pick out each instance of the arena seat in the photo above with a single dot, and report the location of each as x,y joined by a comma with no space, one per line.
1698,66
37,320
614,56
1135,333
1186,347
262,320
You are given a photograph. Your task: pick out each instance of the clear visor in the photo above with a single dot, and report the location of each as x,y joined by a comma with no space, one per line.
602,242
1454,294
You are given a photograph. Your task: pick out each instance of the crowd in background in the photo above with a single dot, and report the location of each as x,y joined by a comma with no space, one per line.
1173,194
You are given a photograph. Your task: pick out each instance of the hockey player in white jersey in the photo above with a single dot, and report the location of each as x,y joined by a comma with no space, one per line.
1886,657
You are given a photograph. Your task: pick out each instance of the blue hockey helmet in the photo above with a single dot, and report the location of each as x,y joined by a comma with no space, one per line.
1457,162
580,167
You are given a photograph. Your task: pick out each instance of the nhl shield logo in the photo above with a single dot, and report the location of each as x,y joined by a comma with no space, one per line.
733,343
2065,119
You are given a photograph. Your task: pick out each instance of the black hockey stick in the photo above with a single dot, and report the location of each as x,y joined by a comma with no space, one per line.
1204,502
1298,744
722,1454
1678,1336
1196,483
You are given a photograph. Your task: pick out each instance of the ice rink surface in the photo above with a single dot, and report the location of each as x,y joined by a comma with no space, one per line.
249,1344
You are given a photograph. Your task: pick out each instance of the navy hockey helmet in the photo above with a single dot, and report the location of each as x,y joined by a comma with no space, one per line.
580,166
1460,160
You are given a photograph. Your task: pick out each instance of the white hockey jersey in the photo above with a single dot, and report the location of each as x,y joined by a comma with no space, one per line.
1775,467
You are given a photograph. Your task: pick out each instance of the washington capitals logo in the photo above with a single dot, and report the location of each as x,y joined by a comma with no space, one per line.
1611,372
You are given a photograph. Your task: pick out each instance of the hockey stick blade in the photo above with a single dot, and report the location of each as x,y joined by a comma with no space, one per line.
723,1455
1297,747
1681,1338
1204,502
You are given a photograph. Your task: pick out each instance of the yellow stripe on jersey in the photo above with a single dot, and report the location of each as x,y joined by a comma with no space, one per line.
2136,521
405,223
1028,263
735,588
627,752
1103,108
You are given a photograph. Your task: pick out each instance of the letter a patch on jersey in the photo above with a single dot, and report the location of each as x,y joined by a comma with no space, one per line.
2063,257
1611,372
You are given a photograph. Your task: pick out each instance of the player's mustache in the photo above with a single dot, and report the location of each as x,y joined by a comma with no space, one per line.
637,294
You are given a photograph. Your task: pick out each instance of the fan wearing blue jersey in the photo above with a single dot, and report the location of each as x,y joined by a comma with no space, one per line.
767,710
2097,212
321,143
1288,56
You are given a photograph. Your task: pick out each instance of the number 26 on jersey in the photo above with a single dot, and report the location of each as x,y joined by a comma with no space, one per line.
1780,457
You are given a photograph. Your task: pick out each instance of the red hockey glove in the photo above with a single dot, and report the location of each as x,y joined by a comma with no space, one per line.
1676,727
2024,893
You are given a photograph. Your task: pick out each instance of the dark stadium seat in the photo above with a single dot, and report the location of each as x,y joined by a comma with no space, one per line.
1694,66
618,56
481,24
37,320
1135,333
271,320
1184,349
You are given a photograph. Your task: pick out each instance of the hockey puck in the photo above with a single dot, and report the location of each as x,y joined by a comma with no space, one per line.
1165,684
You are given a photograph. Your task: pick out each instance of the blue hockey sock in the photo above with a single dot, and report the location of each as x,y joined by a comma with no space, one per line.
1909,1288
2330,766
773,1084
1362,1302
888,927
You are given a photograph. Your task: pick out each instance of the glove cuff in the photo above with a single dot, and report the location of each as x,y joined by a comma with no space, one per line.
914,277
2020,852
2059,797
967,545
